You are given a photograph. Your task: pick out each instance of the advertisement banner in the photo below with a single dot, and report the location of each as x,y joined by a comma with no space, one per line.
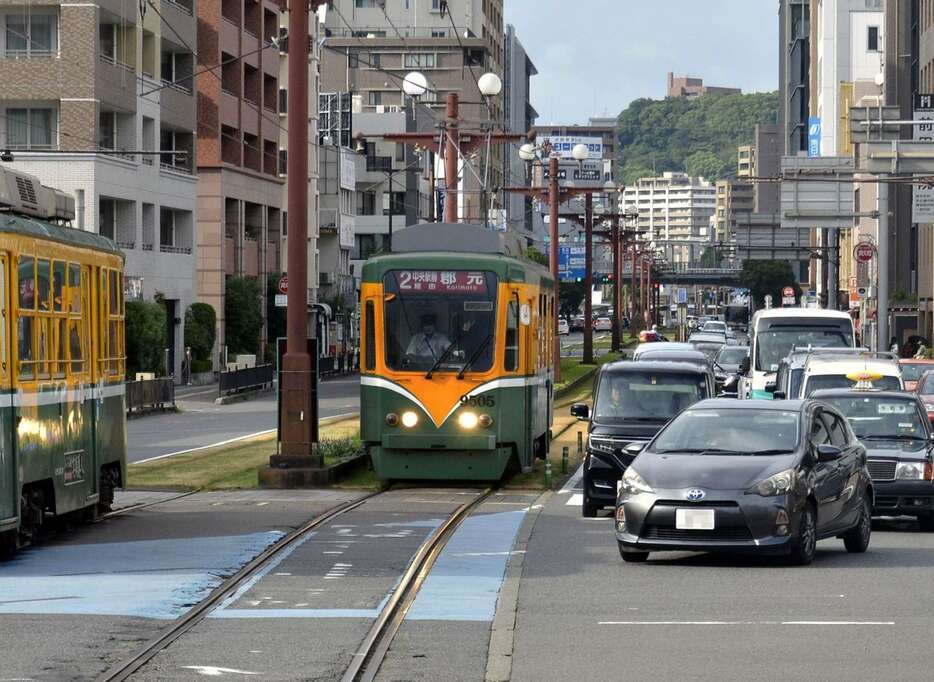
922,205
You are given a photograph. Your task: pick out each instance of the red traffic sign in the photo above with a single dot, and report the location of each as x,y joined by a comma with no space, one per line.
788,292
864,252
284,284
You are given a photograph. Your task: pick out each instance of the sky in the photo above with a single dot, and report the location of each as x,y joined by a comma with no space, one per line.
595,56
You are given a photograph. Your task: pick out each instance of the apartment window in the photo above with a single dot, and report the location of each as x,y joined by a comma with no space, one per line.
435,5
364,4
283,161
420,60
394,203
108,37
35,35
872,39
166,227
107,218
283,100
439,33
107,130
374,98
366,203
30,128
365,60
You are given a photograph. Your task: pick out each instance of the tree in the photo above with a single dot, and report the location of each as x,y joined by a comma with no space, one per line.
571,296
200,334
243,315
145,337
709,257
704,164
536,256
763,277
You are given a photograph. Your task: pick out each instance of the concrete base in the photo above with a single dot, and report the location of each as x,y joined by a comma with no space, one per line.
294,472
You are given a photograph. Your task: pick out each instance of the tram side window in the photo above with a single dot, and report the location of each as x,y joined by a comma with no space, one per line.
58,285
43,281
512,337
370,336
77,326
26,283
74,288
3,314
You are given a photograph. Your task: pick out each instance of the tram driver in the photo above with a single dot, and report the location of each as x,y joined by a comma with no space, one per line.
429,343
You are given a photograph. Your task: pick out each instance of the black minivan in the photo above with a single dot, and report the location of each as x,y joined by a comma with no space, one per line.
632,402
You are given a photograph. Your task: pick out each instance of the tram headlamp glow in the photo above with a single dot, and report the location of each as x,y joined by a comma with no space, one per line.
486,421
409,419
392,419
468,420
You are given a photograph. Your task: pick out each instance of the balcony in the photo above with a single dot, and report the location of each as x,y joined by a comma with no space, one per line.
230,256
250,257
168,248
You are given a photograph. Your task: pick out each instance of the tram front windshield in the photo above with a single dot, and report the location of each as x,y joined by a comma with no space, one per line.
441,320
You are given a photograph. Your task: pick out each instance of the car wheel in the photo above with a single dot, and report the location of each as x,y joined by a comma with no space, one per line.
588,508
856,539
926,522
631,557
804,543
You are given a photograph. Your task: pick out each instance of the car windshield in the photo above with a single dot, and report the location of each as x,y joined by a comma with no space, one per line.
927,386
731,355
439,315
816,383
747,431
912,371
647,395
774,343
880,416
708,348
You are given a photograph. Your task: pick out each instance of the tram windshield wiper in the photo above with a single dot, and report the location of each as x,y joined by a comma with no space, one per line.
476,354
444,356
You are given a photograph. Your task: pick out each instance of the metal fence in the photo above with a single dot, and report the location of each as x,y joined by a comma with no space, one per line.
248,378
150,394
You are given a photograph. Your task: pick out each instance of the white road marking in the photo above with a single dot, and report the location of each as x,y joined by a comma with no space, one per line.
573,482
575,500
332,552
214,671
746,622
261,504
282,574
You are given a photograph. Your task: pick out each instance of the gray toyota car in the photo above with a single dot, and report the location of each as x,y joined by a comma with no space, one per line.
747,475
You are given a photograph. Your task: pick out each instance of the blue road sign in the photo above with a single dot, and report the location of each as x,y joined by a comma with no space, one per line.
814,135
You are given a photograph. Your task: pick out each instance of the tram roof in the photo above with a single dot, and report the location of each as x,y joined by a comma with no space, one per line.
40,229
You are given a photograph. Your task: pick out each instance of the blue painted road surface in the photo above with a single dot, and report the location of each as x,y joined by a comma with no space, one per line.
158,579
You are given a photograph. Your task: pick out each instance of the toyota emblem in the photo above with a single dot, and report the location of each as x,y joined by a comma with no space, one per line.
694,495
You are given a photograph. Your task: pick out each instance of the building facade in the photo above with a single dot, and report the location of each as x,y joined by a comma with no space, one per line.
520,116
103,81
794,60
734,203
686,86
675,212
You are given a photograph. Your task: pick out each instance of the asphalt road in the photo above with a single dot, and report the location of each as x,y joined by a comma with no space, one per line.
584,614
200,422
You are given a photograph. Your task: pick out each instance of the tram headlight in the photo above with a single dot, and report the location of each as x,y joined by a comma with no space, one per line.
392,419
468,420
409,419
486,421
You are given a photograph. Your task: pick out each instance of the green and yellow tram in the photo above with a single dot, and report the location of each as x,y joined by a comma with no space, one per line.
456,355
62,367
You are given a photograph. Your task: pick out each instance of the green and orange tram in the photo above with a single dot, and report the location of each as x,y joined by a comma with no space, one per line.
62,364
456,361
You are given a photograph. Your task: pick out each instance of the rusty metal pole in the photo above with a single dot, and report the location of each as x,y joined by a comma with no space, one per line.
450,158
617,285
633,300
588,280
297,418
554,198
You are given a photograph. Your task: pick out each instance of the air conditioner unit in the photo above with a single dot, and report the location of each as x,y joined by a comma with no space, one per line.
380,109
325,278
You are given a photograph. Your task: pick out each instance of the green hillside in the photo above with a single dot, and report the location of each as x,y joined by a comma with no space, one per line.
698,136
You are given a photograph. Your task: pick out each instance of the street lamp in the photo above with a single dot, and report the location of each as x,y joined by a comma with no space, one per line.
490,85
580,153
415,84
527,152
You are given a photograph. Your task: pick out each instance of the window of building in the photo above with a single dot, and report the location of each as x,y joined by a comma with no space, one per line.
394,202
364,4
30,128
107,218
108,40
374,98
166,227
366,245
283,100
283,161
439,33
33,35
872,39
419,60
435,5
107,130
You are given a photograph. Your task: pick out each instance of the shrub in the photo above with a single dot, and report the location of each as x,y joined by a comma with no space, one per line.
243,315
145,337
200,331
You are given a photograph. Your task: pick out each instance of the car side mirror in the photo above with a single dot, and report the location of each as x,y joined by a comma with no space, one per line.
634,448
828,453
770,387
778,395
580,410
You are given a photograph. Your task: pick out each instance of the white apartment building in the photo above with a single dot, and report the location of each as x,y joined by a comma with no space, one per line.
674,213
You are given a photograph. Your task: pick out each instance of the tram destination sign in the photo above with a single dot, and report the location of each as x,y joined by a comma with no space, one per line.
441,281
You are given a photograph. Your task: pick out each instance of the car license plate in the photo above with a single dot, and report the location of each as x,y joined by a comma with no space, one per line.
694,519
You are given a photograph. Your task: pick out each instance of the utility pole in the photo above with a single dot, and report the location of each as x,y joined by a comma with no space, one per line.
299,461
588,280
617,284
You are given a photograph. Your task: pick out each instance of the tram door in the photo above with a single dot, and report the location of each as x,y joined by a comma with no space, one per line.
8,494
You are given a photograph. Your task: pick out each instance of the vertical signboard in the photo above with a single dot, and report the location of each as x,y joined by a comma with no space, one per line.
814,135
922,207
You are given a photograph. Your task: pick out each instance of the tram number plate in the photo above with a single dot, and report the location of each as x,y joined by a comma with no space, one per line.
74,467
478,400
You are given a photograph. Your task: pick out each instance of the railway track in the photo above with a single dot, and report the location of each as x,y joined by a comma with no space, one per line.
371,652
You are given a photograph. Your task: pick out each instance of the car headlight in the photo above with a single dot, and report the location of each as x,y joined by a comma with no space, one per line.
779,484
634,484
600,444
409,419
467,420
911,471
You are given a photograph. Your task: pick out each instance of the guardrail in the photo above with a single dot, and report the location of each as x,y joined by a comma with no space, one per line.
150,394
248,378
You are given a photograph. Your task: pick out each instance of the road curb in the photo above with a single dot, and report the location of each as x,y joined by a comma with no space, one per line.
503,631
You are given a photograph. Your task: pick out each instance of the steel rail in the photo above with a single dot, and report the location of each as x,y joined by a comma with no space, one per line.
144,505
366,661
200,611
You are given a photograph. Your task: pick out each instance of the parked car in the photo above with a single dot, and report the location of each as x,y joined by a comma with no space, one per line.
563,326
577,323
746,475
603,324
924,389
912,369
894,428
632,401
